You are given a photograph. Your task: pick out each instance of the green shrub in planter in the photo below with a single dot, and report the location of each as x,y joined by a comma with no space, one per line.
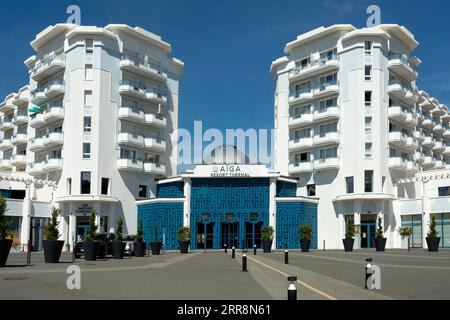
305,237
139,244
433,240
155,245
380,240
52,246
5,244
184,238
349,240
90,246
118,246
267,238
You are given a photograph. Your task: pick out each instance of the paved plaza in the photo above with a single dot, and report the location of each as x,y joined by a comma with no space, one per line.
215,275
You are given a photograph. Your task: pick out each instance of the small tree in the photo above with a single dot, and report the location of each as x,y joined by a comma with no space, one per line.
140,232
4,222
380,233
156,239
92,227
267,233
184,234
351,231
306,232
51,231
119,230
432,231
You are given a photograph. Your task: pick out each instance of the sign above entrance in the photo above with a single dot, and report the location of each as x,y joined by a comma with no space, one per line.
230,171
84,208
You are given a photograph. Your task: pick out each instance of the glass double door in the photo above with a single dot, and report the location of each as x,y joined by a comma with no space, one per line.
230,234
367,233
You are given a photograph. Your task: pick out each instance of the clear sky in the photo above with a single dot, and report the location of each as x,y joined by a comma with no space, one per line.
228,45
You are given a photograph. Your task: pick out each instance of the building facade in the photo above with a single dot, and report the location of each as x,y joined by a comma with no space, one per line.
355,130
94,127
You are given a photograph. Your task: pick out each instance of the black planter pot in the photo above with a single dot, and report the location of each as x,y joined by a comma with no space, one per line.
305,245
118,250
156,248
433,244
90,250
184,246
5,247
267,245
52,250
380,244
348,244
139,248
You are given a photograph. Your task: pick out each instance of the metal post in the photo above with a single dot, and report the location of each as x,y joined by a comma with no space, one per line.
225,245
324,245
292,289
233,252
244,262
409,244
368,274
286,256
254,250
73,250
30,243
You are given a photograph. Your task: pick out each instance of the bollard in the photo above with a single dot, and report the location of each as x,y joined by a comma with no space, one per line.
292,289
324,246
286,256
225,245
254,250
367,275
409,244
233,252
244,262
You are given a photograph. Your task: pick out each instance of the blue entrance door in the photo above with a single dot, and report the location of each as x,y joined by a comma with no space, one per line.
230,234
367,235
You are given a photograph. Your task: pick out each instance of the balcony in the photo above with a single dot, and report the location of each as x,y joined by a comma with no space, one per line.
301,120
132,89
429,142
6,107
401,90
401,66
419,157
439,165
6,125
327,138
36,168
37,120
325,114
302,96
54,114
326,164
412,167
130,139
439,147
427,122
47,67
155,168
5,165
437,111
314,68
419,135
398,163
446,133
6,145
130,165
50,90
131,114
426,105
446,151
53,165
20,119
36,144
411,119
142,67
18,160
302,143
154,144
438,128
327,89
411,143
397,138
428,162
397,113
156,96
54,139
19,139
302,167
155,120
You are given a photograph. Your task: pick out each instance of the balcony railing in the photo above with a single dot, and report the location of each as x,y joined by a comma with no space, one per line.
142,62
317,63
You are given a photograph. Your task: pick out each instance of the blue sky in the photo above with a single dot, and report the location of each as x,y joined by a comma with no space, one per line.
228,45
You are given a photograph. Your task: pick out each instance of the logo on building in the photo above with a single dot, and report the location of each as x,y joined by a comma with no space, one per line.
224,171
84,208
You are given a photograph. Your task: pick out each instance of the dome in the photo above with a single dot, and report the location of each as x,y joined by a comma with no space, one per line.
226,154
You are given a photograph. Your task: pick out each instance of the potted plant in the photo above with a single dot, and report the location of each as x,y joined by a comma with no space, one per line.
5,244
52,246
267,238
139,244
349,240
156,244
380,240
305,237
184,239
433,240
405,233
118,246
89,244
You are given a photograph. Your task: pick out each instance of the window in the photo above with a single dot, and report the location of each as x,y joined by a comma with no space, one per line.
368,98
88,98
69,186
86,150
327,128
368,148
301,134
89,45
325,104
87,124
349,182
304,157
368,181
85,182
330,153
142,191
88,72
311,190
368,73
105,186
444,191
368,47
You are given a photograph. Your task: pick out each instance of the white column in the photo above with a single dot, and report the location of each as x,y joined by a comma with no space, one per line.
26,218
273,209
342,230
97,219
72,230
357,221
187,203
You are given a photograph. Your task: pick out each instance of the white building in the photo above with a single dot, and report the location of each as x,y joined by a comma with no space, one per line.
354,128
93,129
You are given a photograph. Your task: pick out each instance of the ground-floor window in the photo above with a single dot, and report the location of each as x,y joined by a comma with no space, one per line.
414,221
443,227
